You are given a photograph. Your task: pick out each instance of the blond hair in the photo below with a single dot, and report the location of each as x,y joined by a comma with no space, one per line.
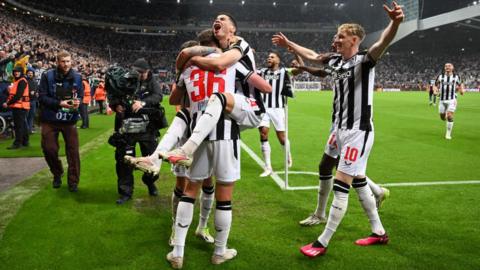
63,54
353,29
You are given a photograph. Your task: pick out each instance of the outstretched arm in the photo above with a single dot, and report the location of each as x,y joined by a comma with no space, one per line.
220,63
295,70
396,17
187,53
314,71
258,82
281,40
177,94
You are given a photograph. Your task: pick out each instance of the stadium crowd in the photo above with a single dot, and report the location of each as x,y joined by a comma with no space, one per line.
93,49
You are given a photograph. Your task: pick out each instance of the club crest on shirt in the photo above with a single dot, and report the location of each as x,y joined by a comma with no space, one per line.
339,74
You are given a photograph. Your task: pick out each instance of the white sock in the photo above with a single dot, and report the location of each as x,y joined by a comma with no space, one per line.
266,151
284,149
376,189
223,222
365,196
337,211
176,196
206,202
173,135
205,124
182,223
449,127
325,186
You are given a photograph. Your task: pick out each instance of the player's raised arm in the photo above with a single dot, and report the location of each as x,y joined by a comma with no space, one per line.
314,71
258,82
281,40
396,17
189,52
220,63
177,94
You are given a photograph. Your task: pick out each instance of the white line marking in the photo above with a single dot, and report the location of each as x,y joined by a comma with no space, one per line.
436,183
279,181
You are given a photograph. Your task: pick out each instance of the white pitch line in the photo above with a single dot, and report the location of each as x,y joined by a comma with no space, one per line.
279,181
436,183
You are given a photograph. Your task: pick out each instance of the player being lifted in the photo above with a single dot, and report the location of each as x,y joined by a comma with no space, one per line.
279,78
219,156
245,106
353,74
448,84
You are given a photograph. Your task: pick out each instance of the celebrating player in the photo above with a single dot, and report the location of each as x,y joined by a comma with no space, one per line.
331,156
353,74
279,78
448,83
245,106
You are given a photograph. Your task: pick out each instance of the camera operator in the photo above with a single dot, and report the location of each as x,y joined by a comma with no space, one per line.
61,91
137,119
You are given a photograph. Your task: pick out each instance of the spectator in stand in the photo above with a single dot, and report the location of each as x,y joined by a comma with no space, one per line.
4,76
85,102
33,89
100,96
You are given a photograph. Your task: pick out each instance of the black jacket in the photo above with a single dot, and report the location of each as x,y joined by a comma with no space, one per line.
149,92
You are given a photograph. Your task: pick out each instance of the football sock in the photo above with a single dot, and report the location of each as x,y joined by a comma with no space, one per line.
325,186
317,244
176,196
182,223
174,132
206,202
337,211
449,127
223,221
206,123
266,151
367,200
376,189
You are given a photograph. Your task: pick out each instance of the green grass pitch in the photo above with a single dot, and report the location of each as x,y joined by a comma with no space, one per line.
430,227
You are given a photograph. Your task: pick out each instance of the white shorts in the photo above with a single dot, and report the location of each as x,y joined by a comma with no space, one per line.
179,170
246,112
355,146
276,116
447,106
216,158
331,147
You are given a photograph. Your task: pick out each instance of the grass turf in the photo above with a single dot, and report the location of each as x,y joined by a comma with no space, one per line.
98,125
433,227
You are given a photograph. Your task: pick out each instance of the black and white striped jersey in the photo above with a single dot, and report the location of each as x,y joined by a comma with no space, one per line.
353,85
280,82
200,85
447,85
248,62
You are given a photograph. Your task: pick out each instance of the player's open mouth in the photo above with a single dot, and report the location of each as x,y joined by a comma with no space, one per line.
217,26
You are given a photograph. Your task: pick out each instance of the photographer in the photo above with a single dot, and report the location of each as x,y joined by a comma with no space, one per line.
138,118
60,93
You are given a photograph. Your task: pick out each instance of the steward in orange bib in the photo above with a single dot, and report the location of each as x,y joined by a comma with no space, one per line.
19,102
85,102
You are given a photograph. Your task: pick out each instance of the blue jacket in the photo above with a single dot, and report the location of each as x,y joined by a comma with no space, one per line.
50,103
